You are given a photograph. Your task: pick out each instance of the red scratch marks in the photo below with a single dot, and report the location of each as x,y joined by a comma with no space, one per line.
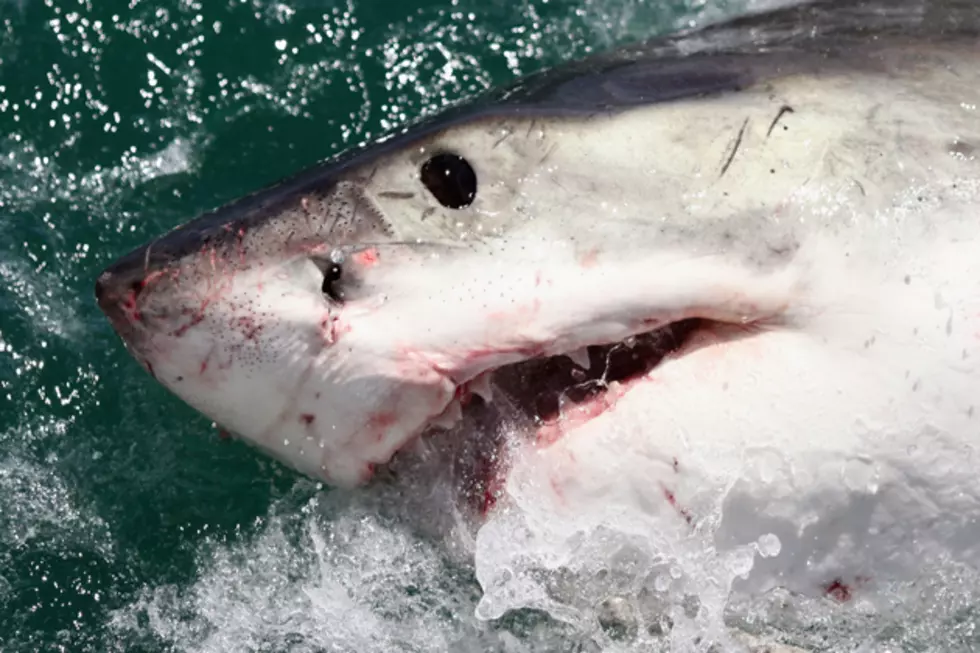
250,330
131,309
489,502
367,473
151,278
493,485
368,257
307,418
672,500
838,591
206,362
841,592
194,321
130,302
198,316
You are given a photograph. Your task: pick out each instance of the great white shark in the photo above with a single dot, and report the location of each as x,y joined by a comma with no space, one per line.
725,282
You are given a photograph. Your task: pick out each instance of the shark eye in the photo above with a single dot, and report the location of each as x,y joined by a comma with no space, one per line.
451,180
331,280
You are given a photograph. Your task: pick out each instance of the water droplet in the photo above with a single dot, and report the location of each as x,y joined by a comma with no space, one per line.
769,545
741,562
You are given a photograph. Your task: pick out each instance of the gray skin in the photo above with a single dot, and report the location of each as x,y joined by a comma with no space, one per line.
194,308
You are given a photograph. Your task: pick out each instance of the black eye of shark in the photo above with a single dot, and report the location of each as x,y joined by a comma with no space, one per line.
451,180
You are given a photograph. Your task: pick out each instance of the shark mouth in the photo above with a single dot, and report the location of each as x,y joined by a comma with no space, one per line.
548,390
536,401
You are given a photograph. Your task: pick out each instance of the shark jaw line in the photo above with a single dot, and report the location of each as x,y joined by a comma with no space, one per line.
541,399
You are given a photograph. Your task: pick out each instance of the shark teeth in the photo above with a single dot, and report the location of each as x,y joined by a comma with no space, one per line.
580,357
449,417
481,386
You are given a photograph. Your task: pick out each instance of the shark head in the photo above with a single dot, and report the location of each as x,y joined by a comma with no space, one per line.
335,317
731,286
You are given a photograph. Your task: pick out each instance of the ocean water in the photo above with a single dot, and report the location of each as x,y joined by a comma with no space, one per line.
126,524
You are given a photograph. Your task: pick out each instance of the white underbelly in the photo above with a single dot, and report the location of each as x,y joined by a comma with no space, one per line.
824,457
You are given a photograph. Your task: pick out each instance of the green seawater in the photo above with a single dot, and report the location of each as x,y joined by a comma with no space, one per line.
125,523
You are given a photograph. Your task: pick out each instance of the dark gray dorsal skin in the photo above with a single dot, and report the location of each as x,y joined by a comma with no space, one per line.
713,60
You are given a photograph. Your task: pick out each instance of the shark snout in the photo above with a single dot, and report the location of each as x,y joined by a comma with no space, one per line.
117,293
120,290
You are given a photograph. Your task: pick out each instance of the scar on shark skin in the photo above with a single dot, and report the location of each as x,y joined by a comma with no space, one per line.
783,110
738,143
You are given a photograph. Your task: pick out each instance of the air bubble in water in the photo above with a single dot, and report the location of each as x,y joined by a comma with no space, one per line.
741,562
769,545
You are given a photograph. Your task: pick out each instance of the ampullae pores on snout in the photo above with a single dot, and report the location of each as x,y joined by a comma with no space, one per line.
800,190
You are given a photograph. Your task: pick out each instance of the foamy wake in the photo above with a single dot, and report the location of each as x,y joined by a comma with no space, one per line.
398,567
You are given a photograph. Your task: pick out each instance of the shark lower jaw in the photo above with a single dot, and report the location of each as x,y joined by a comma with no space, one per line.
540,400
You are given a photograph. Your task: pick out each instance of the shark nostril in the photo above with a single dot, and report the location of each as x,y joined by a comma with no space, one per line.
109,290
135,288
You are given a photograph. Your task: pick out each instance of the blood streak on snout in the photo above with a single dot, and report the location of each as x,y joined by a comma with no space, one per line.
196,319
218,286
130,306
130,303
366,257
